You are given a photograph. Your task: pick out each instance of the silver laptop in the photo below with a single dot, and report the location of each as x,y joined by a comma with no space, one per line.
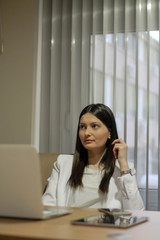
20,184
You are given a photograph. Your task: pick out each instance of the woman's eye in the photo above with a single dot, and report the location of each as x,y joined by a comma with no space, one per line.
95,126
82,127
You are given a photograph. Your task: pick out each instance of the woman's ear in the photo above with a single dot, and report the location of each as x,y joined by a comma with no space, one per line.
109,137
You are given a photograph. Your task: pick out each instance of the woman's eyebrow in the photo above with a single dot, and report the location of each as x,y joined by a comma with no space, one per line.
89,123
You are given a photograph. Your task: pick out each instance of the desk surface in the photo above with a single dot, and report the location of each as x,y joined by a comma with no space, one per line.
60,228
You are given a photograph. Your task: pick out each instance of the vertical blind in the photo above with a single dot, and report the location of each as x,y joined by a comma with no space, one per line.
108,51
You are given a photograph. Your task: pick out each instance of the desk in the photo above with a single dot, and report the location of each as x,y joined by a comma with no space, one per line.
61,229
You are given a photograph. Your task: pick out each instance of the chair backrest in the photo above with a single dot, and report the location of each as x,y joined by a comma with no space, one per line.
46,163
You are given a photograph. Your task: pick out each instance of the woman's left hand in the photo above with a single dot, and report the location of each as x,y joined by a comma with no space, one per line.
120,152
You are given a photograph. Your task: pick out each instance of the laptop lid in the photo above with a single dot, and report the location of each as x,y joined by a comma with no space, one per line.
20,184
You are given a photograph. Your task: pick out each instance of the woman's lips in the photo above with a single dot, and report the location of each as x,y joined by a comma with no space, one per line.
88,141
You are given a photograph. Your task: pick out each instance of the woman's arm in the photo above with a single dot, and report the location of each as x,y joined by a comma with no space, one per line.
131,198
49,197
120,152
57,191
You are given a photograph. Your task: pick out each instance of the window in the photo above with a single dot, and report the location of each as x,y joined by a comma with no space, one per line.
134,102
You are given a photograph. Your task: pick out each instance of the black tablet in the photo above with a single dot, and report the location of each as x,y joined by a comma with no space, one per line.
107,220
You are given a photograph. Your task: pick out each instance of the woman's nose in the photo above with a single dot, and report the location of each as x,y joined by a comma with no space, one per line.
87,131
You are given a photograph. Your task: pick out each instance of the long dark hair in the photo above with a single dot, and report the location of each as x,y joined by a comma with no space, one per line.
80,161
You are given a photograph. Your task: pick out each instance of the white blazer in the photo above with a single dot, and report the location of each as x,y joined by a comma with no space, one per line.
123,191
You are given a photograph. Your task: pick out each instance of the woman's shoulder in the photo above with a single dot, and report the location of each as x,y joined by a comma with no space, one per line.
64,159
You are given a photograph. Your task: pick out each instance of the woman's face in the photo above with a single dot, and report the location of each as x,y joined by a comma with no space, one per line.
93,132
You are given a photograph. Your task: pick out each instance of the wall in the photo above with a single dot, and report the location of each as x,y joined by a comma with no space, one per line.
18,69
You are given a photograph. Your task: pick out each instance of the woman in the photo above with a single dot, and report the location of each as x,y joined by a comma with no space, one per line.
99,174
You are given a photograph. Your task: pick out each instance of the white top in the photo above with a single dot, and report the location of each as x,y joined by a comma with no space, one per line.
88,196
123,191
